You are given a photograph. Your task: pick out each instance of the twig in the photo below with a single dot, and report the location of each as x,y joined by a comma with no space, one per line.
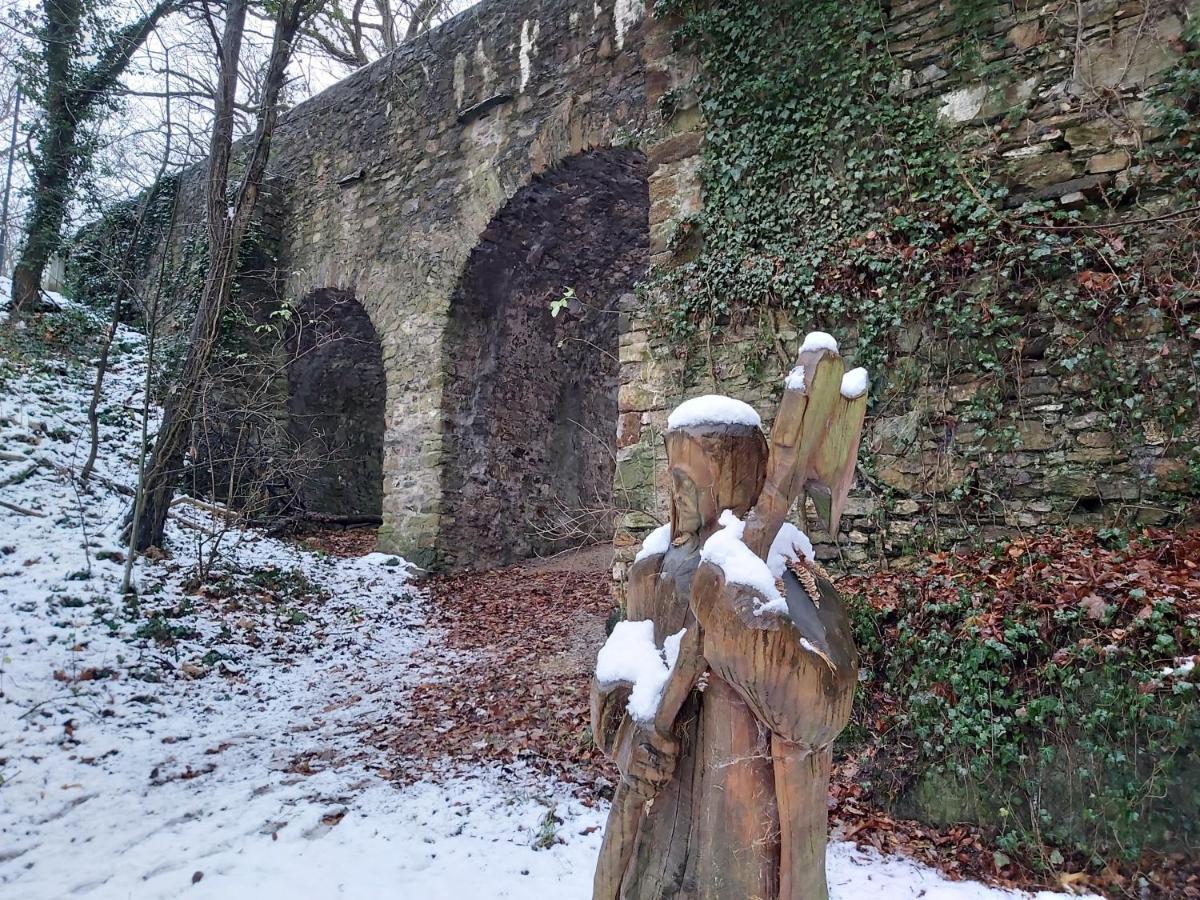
1100,226
22,510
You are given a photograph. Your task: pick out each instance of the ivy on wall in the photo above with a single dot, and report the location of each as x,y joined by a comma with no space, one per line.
832,200
1066,728
106,250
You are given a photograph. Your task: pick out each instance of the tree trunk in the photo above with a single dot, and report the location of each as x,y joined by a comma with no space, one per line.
69,97
50,188
226,228
55,158
152,323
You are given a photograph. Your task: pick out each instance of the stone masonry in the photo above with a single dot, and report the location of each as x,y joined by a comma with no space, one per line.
382,189
1063,122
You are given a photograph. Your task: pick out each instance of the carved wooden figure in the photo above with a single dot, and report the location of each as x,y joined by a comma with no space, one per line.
721,693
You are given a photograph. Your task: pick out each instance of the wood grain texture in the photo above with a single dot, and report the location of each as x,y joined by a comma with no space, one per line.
723,796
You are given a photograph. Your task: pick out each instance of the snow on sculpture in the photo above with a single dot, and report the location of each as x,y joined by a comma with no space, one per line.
720,698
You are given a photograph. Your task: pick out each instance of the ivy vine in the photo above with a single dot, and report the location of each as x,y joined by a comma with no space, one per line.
833,200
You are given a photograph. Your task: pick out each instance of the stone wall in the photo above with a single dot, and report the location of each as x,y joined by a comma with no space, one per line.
1060,118
387,186
530,399
379,189
388,179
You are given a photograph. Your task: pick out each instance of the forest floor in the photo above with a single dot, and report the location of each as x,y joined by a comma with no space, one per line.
303,719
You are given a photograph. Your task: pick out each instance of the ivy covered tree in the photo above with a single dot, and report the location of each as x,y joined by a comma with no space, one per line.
72,72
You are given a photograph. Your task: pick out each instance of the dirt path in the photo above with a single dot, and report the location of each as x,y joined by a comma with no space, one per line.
513,667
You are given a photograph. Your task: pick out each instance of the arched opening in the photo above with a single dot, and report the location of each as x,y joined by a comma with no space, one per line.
530,402
335,408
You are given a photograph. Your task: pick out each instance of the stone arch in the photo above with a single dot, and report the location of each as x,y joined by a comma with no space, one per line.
529,403
335,405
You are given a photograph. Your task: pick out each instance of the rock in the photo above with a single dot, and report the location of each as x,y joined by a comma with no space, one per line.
1095,438
1172,474
1108,162
1026,35
1033,435
895,434
1087,420
964,104
1072,484
1041,171
1119,489
1095,134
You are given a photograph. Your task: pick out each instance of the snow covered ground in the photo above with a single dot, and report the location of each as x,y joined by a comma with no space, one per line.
215,740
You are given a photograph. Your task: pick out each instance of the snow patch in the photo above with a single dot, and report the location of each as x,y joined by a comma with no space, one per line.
726,550
795,379
819,340
630,654
713,409
657,541
790,545
1183,665
855,383
529,38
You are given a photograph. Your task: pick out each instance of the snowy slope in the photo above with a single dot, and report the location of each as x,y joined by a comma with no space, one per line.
230,741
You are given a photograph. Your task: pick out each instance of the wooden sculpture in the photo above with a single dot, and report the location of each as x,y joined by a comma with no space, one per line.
721,693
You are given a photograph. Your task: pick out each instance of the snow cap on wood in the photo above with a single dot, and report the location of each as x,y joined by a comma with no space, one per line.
713,409
740,565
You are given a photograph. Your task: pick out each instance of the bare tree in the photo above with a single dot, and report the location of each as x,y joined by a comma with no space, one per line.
125,277
227,221
357,32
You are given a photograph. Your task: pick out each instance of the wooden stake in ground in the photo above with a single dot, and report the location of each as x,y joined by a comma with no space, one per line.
724,776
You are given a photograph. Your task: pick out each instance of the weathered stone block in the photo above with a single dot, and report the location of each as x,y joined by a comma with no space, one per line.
1108,162
1072,484
1118,489
1095,438
1040,171
1033,435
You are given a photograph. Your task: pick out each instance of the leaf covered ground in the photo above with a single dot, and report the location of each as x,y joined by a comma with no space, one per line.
530,634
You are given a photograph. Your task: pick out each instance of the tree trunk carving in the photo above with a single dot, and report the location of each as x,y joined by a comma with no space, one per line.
724,783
